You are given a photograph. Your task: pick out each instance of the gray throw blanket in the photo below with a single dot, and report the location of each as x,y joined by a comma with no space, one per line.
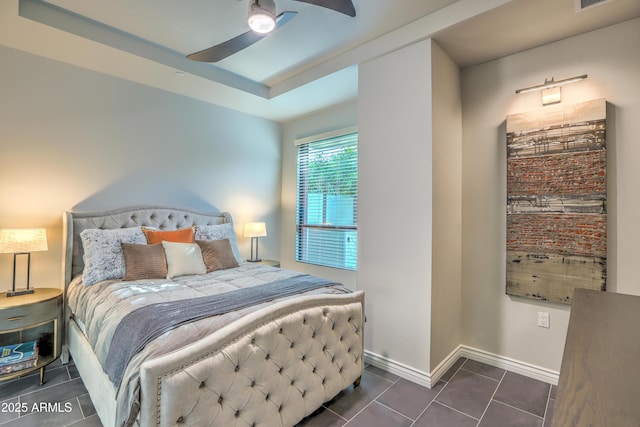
146,323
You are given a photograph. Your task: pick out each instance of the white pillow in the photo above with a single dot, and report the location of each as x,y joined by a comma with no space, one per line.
183,259
219,232
103,257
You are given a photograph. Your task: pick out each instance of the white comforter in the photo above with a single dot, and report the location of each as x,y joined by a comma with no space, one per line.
99,308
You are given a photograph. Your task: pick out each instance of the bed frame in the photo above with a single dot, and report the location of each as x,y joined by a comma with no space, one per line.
270,368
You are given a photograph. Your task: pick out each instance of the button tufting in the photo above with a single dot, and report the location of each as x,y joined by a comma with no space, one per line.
237,414
280,330
280,408
280,370
304,393
267,357
220,399
267,396
180,420
292,344
237,368
253,383
202,384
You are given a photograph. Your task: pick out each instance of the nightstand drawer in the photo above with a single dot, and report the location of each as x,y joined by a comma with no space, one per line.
20,317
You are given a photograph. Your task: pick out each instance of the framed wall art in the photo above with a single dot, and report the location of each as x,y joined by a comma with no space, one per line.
556,201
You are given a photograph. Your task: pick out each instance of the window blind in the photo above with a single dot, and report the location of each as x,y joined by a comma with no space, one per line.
327,201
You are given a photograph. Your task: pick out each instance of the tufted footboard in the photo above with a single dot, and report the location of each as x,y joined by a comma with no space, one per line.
271,368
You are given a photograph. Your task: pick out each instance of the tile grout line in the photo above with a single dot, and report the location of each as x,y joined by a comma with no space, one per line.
482,375
546,408
374,399
492,396
396,411
458,411
517,409
80,406
438,394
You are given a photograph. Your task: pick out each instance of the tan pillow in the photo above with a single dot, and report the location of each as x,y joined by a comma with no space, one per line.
184,235
217,254
144,261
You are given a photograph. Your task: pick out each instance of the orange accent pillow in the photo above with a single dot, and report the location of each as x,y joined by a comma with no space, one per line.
184,235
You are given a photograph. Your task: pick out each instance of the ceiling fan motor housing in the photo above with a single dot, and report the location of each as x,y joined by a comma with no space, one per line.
262,16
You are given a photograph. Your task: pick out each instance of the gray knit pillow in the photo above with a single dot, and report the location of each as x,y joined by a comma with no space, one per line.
219,232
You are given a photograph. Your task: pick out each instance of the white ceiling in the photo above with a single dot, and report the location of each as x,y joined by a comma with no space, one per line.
308,64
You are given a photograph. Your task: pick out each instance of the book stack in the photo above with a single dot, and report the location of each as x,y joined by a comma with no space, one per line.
17,357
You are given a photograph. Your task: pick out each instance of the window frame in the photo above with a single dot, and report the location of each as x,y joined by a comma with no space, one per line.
303,226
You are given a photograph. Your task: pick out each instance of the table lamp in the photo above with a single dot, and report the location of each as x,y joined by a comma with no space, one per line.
22,241
255,230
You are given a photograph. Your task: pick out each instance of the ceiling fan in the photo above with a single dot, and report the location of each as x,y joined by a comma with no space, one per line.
262,21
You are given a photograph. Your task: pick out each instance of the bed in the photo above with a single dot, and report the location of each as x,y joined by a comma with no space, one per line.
269,362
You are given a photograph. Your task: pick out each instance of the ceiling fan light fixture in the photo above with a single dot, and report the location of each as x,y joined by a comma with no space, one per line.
262,16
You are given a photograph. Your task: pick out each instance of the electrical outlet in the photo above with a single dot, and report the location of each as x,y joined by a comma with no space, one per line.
543,319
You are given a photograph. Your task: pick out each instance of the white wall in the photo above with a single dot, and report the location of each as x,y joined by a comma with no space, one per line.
395,204
492,321
72,138
339,117
446,292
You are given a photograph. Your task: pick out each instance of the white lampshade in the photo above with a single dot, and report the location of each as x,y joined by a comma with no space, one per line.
22,240
262,16
255,229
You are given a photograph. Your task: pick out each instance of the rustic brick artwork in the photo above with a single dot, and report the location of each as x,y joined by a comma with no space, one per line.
557,201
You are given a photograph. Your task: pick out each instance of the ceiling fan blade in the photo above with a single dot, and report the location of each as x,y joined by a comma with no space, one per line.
236,44
342,6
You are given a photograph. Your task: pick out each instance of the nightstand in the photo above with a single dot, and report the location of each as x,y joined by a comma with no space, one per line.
269,262
33,317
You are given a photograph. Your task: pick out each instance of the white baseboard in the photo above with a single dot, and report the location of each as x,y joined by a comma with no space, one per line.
429,379
400,369
523,368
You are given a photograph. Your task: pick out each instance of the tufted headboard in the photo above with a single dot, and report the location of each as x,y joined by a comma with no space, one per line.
163,218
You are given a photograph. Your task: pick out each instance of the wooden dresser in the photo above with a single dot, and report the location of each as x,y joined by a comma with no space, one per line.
600,375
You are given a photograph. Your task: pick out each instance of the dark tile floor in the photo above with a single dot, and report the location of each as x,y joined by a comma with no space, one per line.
470,394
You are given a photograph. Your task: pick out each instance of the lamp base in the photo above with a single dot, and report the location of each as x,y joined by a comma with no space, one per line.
19,292
254,260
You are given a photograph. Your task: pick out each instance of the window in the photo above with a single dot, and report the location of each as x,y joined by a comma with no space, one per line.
327,204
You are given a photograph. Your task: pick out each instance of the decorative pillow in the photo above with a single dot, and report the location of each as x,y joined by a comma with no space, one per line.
219,232
217,254
103,252
183,259
144,261
184,235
